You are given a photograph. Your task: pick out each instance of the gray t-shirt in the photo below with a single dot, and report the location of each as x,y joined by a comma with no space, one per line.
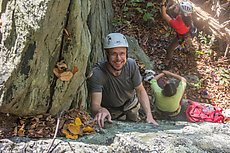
116,90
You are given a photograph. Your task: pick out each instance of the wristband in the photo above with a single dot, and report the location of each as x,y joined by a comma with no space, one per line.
163,4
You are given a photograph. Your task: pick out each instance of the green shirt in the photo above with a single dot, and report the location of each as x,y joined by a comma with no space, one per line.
168,104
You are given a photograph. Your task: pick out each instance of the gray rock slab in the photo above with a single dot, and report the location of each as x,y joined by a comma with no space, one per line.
119,137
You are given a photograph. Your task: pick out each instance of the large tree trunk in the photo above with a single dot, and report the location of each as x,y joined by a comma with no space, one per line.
100,24
34,40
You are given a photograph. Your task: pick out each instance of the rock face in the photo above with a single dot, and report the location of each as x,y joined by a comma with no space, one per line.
36,34
136,52
121,137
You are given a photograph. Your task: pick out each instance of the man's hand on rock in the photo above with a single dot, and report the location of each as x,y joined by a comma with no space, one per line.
102,116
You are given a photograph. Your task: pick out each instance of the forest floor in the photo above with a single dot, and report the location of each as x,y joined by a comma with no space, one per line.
143,21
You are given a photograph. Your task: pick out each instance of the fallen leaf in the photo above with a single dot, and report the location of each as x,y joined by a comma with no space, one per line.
21,131
78,121
71,136
56,72
88,130
40,131
162,30
15,132
64,131
22,121
68,135
33,126
73,128
66,76
31,132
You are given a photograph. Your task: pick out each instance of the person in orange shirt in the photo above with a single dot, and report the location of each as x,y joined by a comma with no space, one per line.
182,24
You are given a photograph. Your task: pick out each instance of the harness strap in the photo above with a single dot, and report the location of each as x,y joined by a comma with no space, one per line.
171,114
124,112
181,37
127,106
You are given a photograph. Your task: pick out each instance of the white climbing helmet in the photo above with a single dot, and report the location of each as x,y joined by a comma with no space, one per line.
186,7
114,40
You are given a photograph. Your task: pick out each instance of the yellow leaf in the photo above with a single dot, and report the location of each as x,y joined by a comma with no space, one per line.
78,121
161,30
88,133
21,131
69,135
73,128
64,131
88,129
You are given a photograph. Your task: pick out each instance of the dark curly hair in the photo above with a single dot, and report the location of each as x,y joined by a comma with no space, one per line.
169,89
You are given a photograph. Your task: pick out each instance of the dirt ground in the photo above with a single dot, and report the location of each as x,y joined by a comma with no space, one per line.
7,125
203,60
154,36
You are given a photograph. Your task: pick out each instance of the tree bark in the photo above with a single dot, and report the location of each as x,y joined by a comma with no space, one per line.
38,34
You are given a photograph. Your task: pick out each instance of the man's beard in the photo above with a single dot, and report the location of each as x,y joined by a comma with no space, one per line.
115,68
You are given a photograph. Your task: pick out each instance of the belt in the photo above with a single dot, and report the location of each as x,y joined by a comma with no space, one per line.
171,114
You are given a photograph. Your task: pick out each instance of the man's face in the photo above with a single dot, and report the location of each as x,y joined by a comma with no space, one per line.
117,57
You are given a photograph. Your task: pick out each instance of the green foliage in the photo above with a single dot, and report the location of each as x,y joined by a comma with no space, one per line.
117,21
196,85
207,51
224,75
138,9
147,16
149,4
206,39
136,1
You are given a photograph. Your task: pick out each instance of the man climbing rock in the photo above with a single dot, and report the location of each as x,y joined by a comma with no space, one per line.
116,85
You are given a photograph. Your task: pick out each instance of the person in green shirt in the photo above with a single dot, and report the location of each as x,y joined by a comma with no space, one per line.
168,99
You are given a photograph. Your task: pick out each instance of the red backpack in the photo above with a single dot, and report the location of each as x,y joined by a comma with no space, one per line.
200,112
